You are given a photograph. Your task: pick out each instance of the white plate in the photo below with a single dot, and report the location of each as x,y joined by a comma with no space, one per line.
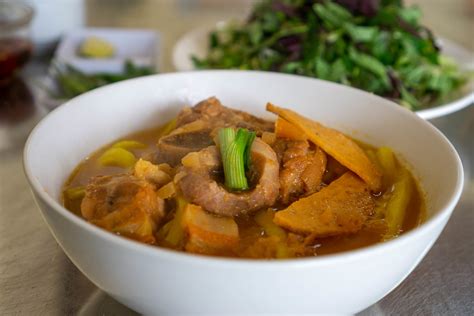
196,43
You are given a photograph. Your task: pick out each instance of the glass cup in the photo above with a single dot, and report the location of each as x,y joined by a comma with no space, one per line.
15,38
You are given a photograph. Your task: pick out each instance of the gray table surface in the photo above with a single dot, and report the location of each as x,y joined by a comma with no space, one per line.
36,277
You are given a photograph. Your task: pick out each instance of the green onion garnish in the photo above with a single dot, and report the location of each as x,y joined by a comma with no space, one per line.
247,156
235,153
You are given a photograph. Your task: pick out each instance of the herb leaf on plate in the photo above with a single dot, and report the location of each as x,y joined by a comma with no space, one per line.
375,45
72,82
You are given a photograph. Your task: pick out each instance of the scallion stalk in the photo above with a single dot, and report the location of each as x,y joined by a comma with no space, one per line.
247,156
226,137
235,153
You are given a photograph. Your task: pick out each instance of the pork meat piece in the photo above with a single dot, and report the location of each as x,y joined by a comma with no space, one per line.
123,204
197,127
198,184
302,169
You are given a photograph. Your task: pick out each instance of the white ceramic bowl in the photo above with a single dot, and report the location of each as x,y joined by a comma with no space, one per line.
151,280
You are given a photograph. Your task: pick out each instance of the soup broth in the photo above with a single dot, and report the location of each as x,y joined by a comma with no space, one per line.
260,235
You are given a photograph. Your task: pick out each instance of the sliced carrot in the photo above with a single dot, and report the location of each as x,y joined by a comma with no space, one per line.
335,144
340,208
284,129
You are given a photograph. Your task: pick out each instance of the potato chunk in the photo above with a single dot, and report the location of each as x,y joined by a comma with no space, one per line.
335,144
207,233
340,208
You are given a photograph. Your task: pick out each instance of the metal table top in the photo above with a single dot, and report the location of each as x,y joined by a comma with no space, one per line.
37,278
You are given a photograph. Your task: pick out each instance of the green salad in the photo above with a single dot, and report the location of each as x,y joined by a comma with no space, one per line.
377,46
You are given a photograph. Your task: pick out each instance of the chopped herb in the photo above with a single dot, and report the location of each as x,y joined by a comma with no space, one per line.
377,46
72,82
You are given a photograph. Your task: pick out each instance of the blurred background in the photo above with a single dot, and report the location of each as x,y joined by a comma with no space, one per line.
451,19
35,34
37,278
172,18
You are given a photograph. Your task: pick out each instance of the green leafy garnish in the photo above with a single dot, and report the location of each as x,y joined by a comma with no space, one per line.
72,82
377,46
235,155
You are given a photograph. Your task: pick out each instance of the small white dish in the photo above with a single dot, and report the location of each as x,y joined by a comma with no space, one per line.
153,280
137,45
196,43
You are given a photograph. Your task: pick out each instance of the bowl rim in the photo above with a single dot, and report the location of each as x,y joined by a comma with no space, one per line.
168,254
